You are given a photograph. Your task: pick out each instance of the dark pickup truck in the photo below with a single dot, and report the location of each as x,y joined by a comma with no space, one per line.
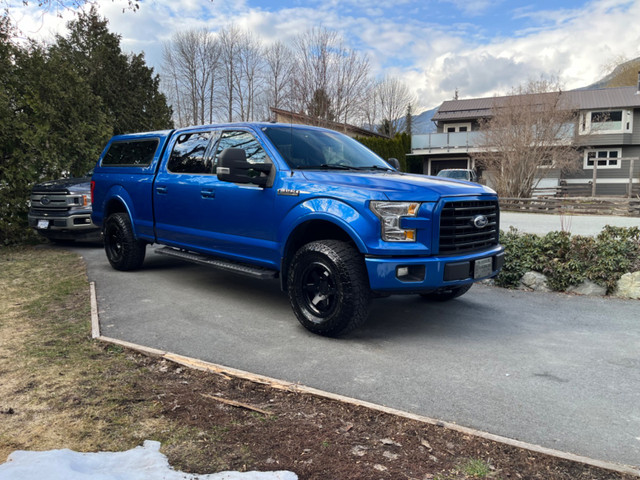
60,210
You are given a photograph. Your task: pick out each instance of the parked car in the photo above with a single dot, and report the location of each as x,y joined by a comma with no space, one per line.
60,210
459,174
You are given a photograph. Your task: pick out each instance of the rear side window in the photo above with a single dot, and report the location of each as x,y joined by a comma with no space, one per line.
132,153
189,154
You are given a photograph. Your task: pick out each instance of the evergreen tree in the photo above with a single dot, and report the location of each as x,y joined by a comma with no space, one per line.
408,122
128,88
51,124
320,106
385,127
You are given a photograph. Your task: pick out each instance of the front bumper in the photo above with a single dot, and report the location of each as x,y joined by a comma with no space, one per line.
64,226
425,274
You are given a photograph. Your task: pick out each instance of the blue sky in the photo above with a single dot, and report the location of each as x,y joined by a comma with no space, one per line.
479,47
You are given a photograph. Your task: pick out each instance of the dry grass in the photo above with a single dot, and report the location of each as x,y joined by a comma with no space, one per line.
57,387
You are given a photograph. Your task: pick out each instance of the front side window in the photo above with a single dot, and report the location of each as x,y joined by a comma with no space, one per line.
133,153
189,154
602,158
247,142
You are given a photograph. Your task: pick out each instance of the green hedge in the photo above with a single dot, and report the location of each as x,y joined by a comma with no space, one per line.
396,147
568,260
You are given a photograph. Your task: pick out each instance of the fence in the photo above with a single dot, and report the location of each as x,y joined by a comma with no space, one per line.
578,205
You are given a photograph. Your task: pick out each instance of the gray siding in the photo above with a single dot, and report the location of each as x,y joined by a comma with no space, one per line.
635,135
612,181
606,139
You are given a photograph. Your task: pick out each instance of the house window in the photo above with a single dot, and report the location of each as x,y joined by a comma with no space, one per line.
604,158
457,127
606,121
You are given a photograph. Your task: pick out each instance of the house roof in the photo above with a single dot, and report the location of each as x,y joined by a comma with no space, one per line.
605,98
352,130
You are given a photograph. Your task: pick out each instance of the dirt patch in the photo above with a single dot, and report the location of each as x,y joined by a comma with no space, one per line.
60,389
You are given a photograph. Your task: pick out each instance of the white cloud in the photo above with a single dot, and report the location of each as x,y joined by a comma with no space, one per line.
574,50
433,58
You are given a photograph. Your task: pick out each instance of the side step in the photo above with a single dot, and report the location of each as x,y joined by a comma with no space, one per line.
220,263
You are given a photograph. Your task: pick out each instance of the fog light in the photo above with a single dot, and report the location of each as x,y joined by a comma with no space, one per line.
411,273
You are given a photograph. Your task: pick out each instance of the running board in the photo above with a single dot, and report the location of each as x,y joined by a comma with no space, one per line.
220,263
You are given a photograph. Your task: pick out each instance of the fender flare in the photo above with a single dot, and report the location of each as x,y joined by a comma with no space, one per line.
337,212
118,194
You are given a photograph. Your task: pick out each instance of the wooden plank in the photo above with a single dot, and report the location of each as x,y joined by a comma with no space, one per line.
233,403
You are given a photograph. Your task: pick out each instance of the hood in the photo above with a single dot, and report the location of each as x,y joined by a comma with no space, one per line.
72,185
400,186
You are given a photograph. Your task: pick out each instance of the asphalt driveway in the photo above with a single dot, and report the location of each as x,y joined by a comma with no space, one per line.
550,369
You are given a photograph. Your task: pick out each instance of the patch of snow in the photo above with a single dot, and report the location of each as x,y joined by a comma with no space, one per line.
141,463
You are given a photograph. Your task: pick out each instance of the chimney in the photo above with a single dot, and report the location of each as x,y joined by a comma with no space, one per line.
638,90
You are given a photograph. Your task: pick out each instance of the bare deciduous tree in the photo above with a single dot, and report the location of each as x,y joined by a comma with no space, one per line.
324,64
248,76
231,76
191,62
529,132
229,39
278,71
393,97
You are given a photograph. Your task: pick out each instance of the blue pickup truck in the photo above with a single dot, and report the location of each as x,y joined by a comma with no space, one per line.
334,222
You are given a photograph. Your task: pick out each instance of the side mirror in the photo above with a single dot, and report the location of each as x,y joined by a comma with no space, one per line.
394,163
233,167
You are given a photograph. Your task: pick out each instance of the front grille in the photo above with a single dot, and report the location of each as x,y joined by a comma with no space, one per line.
458,234
42,202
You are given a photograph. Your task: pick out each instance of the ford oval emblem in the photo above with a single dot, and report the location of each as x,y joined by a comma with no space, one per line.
45,200
480,221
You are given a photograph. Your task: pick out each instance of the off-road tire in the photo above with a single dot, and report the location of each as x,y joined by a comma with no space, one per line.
329,288
123,250
447,294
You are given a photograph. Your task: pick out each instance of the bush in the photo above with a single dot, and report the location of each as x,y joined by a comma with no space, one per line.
396,147
568,260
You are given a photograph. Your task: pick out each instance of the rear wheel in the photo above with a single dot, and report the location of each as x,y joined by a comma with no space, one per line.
123,250
328,287
445,294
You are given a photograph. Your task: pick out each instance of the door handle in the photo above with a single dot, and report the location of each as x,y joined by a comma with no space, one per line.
208,193
161,190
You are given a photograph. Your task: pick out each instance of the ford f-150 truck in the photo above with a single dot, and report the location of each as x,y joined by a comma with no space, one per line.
334,222
60,210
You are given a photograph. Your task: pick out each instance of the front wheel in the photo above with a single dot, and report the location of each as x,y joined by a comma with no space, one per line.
123,250
328,287
447,293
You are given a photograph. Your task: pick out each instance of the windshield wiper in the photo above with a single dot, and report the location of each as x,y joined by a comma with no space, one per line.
327,166
377,167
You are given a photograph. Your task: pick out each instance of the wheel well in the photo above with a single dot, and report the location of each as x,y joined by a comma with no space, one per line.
309,232
114,206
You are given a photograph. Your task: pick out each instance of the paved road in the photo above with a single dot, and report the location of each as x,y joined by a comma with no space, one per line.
576,224
555,370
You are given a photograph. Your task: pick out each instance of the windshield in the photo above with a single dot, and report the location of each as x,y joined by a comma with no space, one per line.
305,148
457,174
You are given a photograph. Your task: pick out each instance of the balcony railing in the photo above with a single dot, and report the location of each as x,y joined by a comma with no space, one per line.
465,141
453,141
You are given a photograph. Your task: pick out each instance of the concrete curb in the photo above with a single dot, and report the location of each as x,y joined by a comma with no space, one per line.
297,388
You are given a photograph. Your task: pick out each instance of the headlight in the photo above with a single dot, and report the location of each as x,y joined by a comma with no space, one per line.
390,214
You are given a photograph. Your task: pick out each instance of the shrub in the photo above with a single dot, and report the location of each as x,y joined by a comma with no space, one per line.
568,260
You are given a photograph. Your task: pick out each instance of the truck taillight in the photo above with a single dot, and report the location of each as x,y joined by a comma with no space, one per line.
93,186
